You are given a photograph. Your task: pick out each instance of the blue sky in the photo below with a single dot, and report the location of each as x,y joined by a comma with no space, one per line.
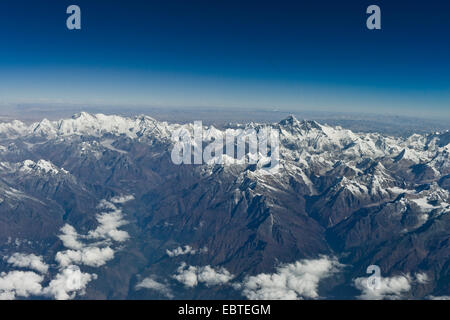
288,55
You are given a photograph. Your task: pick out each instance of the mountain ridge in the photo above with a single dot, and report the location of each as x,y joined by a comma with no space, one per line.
359,198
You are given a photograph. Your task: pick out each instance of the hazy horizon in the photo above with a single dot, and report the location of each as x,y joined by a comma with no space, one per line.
392,124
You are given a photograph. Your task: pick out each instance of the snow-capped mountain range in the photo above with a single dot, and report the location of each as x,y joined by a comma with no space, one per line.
339,201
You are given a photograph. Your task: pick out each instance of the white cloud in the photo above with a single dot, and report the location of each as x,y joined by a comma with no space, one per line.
187,275
69,237
90,256
108,227
93,249
30,261
71,281
180,251
186,250
98,253
191,276
20,284
389,288
68,283
422,278
290,281
7,295
151,283
213,276
122,199
106,205
439,297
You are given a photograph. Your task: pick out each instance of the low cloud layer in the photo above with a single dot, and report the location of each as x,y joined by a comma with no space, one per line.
152,284
293,281
191,276
122,199
93,249
439,297
29,261
96,248
391,288
20,284
69,237
422,278
185,250
89,256
68,283
108,228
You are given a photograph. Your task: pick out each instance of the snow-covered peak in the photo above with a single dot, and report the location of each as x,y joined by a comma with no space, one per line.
292,124
83,115
308,143
409,154
43,128
290,121
41,166
97,125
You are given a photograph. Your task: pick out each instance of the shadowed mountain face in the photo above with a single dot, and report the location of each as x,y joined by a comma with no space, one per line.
93,207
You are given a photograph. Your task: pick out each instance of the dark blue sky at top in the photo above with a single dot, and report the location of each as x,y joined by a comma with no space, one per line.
292,55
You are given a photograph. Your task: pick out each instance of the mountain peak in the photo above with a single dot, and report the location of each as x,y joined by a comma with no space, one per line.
83,115
289,121
311,124
41,166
